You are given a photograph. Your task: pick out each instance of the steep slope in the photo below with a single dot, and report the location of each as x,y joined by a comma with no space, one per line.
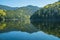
22,11
28,10
47,19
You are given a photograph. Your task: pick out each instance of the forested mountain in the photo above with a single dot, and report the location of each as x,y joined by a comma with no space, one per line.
27,10
16,12
48,11
18,19
3,7
48,19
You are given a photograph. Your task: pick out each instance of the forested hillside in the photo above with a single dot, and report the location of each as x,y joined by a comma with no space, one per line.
48,19
18,19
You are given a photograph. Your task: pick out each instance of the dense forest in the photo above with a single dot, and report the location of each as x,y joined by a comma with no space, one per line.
20,13
16,19
48,19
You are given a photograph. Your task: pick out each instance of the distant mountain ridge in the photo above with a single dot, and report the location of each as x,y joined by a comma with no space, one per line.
28,9
16,12
3,7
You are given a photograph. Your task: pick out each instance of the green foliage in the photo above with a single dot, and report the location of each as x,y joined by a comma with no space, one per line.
18,19
2,26
2,15
47,19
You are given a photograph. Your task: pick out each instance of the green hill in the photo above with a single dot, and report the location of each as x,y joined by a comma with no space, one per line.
17,20
22,11
48,19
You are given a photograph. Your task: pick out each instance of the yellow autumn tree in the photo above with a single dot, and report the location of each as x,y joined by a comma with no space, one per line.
2,13
2,26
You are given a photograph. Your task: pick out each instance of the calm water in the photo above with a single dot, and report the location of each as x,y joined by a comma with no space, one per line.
23,31
18,35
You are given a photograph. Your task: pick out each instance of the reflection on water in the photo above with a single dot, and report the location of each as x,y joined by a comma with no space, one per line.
16,30
18,35
16,26
50,27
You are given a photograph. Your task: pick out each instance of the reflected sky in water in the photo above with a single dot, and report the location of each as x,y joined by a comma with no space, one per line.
18,35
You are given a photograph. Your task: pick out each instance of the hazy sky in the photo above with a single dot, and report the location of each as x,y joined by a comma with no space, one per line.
19,3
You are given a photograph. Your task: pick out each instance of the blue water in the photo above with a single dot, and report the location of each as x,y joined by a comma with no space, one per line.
18,35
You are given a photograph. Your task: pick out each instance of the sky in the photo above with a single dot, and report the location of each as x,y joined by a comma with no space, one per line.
20,3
